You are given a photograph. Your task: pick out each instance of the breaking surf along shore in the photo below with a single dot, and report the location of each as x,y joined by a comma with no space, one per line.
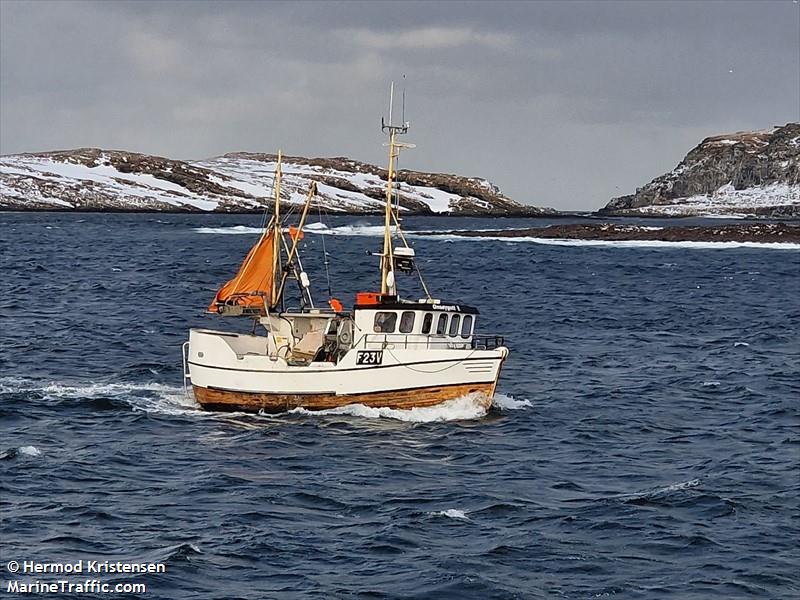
754,232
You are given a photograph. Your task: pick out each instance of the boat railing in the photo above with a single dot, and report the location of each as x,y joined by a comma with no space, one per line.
487,341
187,376
417,341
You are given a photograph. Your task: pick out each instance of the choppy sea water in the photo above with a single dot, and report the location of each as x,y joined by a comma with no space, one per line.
644,444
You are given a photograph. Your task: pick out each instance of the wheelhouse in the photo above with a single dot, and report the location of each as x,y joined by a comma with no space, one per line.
428,322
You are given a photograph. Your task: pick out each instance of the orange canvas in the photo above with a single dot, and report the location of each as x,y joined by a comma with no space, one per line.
255,278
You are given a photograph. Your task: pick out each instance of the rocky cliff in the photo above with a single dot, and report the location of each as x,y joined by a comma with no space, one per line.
95,179
745,173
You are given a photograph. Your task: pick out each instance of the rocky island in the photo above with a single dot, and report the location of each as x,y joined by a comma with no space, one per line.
746,232
750,173
91,179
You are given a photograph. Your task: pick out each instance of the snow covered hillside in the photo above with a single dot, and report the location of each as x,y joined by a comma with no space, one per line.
94,179
741,174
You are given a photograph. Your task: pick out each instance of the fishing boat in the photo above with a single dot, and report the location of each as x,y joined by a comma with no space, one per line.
387,351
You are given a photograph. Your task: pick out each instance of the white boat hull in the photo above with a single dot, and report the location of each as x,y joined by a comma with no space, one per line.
232,372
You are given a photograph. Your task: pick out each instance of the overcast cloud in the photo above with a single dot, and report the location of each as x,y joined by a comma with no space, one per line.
562,104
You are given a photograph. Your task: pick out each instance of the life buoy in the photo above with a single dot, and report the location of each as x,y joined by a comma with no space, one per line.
336,305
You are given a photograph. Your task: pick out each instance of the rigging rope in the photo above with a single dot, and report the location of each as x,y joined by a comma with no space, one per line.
325,252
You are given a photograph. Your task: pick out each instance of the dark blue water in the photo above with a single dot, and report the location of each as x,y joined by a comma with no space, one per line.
645,443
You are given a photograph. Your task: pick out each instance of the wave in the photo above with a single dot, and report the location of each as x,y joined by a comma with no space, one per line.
234,230
318,228
146,397
349,230
459,409
364,230
173,400
622,243
315,227
452,513
658,492
22,450
504,402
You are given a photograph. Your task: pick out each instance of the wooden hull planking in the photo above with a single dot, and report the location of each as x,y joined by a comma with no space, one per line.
235,401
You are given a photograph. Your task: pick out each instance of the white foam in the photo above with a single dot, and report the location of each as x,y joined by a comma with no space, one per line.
467,407
737,344
319,228
357,230
147,397
29,451
626,243
509,402
452,513
234,230
674,487
316,227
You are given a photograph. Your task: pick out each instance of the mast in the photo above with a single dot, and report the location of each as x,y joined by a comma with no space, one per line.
388,284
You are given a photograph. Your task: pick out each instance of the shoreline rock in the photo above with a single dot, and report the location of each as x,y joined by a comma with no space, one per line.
749,173
750,232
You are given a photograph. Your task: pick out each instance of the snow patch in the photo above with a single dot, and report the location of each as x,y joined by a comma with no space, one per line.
728,201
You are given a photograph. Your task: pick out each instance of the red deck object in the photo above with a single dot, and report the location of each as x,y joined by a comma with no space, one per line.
367,298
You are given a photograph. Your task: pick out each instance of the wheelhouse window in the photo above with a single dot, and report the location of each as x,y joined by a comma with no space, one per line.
454,325
427,322
385,322
466,326
441,325
407,321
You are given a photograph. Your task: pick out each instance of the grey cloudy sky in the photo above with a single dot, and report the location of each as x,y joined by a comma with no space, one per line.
562,104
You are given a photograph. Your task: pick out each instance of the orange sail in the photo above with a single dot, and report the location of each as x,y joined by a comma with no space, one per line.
254,284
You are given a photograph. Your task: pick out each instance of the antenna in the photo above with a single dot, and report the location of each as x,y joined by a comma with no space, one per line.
391,101
404,98
388,126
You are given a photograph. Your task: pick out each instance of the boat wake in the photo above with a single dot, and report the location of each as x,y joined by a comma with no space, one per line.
146,397
159,398
465,408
